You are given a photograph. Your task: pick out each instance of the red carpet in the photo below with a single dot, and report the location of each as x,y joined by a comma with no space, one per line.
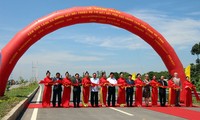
34,105
177,111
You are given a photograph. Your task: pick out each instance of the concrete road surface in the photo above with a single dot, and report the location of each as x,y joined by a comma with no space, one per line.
108,113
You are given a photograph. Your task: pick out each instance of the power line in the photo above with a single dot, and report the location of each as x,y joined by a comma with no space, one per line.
35,71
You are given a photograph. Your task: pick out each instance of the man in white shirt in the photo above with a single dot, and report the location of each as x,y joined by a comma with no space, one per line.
94,90
111,89
177,81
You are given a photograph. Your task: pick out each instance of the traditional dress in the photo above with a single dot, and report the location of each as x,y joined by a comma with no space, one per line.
154,97
171,99
188,93
66,93
138,93
86,90
121,100
47,92
103,92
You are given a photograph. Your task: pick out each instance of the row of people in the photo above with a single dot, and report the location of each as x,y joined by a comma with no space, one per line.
173,84
107,88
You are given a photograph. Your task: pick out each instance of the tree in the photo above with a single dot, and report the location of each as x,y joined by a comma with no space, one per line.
196,51
157,74
99,73
126,74
195,75
116,75
195,68
21,80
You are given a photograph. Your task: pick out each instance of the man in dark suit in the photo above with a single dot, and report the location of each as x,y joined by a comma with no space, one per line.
57,90
129,91
162,91
76,90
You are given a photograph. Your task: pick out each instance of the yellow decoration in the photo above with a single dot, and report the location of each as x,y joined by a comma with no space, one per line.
187,71
133,76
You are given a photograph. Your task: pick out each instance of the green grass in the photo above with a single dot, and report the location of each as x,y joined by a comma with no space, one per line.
195,102
13,97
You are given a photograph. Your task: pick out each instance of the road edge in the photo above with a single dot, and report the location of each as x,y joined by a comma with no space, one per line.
18,109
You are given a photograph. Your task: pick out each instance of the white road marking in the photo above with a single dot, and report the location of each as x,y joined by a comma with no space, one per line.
35,110
34,115
121,111
39,95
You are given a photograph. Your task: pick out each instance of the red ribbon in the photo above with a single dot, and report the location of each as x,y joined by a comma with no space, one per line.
196,94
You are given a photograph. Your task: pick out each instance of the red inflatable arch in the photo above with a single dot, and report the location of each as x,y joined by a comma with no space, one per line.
21,42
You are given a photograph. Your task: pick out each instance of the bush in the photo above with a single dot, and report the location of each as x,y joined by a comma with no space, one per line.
14,96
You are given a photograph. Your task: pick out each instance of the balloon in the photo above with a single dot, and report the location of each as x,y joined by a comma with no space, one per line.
25,38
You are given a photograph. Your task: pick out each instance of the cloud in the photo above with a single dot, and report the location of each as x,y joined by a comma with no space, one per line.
54,61
111,42
178,31
9,29
6,34
118,42
194,13
58,57
101,54
181,33
2,44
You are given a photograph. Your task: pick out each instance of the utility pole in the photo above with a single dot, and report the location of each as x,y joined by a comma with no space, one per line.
34,71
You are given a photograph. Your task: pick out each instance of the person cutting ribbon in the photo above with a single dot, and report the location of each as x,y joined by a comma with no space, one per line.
111,89
104,89
57,90
86,89
47,90
189,87
67,90
138,92
94,90
76,90
154,97
121,99
162,91
129,91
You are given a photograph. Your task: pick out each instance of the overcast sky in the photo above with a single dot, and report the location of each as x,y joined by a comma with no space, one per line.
91,47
